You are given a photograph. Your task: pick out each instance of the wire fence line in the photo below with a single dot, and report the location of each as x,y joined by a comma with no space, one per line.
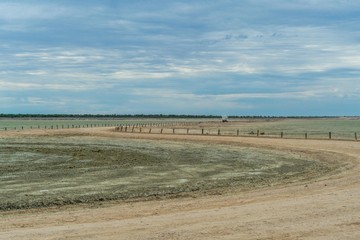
89,125
194,128
336,135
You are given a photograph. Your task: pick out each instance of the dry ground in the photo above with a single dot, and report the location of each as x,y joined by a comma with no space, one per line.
323,208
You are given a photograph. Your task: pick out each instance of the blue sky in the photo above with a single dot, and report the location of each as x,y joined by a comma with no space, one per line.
220,57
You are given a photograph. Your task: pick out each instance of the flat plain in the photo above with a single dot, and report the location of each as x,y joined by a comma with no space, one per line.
98,183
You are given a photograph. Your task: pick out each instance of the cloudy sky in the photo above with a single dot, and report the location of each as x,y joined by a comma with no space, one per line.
223,57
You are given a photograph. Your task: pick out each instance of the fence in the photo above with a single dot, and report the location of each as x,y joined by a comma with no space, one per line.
236,132
62,126
91,125
193,128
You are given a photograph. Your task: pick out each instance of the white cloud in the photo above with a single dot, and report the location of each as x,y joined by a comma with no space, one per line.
25,86
36,101
322,5
186,102
194,54
56,55
23,11
37,72
126,74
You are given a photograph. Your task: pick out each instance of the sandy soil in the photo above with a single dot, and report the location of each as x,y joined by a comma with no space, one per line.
325,208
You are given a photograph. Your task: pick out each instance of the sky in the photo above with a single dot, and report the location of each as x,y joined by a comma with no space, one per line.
218,57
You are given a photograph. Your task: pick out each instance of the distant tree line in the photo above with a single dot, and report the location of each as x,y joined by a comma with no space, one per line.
105,116
295,117
112,116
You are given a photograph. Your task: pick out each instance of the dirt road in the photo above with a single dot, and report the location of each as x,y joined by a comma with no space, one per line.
325,208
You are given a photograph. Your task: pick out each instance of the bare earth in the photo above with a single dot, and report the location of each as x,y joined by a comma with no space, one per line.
325,208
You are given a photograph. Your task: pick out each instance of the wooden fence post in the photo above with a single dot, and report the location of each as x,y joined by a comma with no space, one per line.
202,131
237,132
355,137
257,133
187,131
150,130
305,135
218,131
161,131
282,134
173,130
329,135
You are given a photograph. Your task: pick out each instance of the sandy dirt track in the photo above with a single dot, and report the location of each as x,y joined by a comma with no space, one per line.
325,208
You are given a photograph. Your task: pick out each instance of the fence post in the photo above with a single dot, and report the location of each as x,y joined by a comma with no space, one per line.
218,131
161,131
282,134
257,133
187,131
5,128
305,135
202,131
355,137
237,132
150,130
329,135
173,130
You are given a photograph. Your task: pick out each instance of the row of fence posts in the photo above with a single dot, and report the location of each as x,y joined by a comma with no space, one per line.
91,126
306,135
330,135
100,125
126,128
131,128
62,126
